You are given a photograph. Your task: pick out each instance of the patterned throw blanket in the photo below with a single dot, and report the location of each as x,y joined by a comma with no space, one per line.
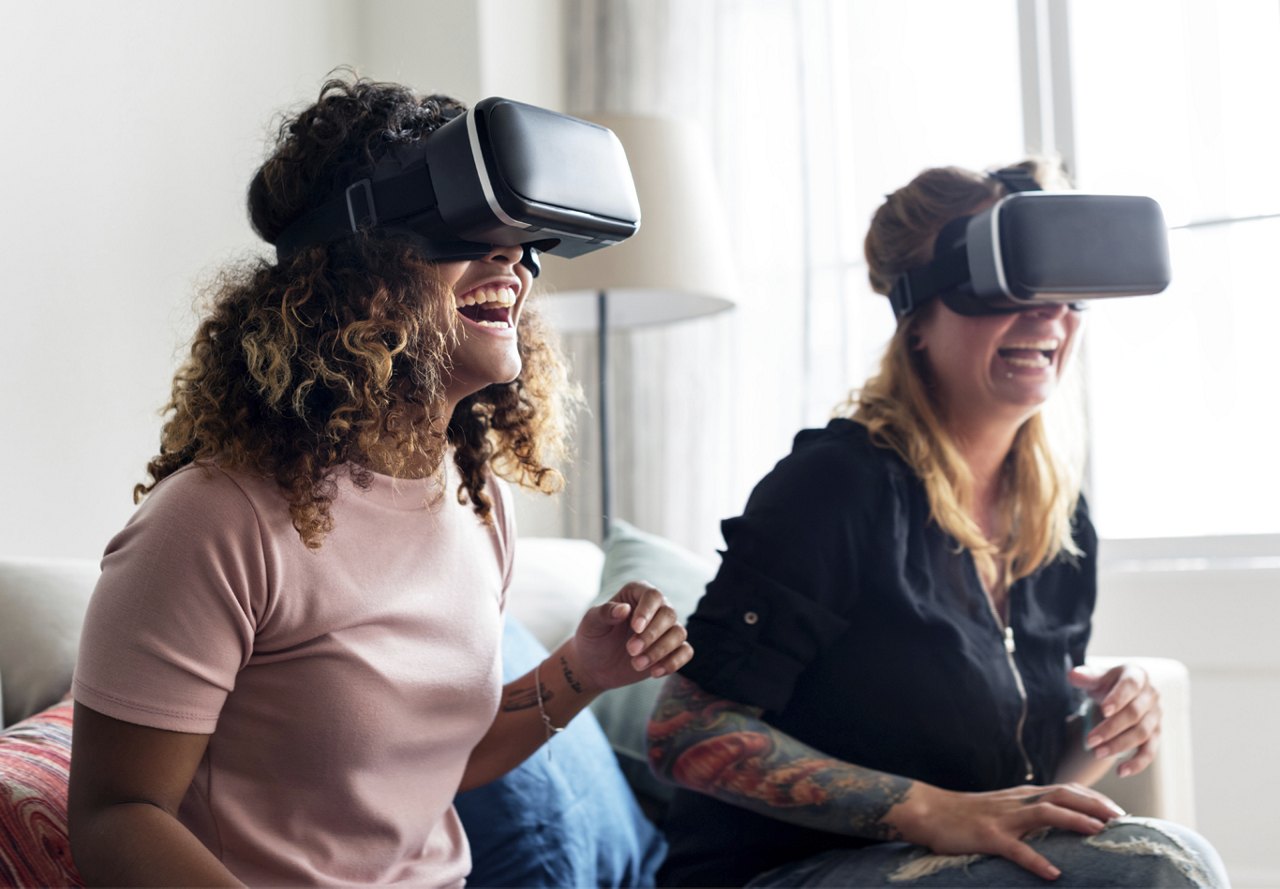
35,765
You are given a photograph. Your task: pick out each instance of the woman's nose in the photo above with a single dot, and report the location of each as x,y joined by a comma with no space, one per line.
506,254
1049,310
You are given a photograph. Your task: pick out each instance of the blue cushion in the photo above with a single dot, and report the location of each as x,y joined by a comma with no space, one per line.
563,819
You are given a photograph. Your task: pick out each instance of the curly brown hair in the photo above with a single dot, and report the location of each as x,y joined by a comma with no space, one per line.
300,369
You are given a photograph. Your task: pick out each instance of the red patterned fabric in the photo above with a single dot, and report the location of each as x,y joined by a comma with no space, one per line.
35,765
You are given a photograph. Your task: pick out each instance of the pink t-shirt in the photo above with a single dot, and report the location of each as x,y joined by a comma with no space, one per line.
343,688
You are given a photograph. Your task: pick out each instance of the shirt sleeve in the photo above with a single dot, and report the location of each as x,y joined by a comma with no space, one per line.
173,617
787,581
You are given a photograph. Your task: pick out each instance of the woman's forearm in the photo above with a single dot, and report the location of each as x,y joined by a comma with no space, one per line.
633,636
518,729
725,750
139,844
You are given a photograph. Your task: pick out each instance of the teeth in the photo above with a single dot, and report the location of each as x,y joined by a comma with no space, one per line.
501,297
1036,362
1045,345
504,325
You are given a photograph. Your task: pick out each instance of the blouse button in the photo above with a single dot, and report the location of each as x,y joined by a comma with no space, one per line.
751,618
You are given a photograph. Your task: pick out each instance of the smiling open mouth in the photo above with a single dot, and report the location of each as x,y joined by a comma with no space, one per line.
487,306
1030,353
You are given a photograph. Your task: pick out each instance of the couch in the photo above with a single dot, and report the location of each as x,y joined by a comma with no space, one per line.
42,602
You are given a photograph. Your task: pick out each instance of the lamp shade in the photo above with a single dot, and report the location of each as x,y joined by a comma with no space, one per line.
678,265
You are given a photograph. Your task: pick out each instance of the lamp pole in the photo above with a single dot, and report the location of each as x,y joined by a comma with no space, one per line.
606,443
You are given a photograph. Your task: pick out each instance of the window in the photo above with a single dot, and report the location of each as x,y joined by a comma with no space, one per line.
1176,100
1172,100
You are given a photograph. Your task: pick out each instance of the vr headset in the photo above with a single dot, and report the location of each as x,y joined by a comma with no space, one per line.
503,173
1033,247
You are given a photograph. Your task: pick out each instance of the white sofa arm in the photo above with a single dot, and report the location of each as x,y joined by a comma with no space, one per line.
1166,789
42,605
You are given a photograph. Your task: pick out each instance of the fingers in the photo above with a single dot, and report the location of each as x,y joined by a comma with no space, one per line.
1065,807
645,601
1131,682
1024,856
1079,799
998,822
1144,756
637,599
658,645
1048,814
1084,678
668,654
1146,727
1129,727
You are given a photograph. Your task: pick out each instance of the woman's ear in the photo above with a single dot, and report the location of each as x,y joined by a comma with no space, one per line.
915,339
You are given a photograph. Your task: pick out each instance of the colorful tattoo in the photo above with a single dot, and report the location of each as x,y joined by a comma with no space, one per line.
726,750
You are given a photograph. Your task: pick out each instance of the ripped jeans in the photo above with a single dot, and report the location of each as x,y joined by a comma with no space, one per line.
1134,852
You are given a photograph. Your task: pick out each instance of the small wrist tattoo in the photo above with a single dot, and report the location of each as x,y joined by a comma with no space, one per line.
569,679
522,699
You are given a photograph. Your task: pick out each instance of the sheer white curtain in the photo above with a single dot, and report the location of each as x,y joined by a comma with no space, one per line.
701,406
814,109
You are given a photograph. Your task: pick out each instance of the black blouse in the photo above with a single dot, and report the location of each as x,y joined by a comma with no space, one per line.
860,628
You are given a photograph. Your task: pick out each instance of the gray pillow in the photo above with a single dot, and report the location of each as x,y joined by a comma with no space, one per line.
623,713
42,605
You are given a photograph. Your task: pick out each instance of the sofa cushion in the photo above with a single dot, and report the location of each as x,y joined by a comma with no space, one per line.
553,583
632,554
563,817
42,605
35,765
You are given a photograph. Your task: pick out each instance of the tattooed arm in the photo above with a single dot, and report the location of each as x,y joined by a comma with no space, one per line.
726,750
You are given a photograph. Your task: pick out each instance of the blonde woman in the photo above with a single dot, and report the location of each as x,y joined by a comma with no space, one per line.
889,658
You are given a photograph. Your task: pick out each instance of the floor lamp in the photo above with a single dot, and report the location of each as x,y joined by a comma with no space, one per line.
676,267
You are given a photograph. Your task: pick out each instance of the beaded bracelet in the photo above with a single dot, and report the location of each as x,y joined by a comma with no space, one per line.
546,720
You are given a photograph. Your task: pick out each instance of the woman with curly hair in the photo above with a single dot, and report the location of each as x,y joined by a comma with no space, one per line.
290,664
890,674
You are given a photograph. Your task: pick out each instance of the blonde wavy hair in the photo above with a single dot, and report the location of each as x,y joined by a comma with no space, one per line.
1042,476
301,369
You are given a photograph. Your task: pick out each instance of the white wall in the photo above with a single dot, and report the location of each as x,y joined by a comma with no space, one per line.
130,133
432,46
131,129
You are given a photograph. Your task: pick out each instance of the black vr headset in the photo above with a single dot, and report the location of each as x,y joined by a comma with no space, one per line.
501,174
1033,247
